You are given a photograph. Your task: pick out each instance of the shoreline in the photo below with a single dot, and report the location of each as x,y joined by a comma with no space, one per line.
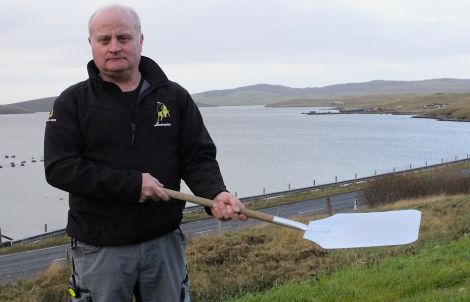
367,111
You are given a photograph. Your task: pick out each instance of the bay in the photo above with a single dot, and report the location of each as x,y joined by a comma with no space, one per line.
259,149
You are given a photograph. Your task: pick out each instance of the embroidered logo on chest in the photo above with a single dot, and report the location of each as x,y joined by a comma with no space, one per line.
163,115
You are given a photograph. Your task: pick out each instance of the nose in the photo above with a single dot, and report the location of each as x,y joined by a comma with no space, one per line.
114,46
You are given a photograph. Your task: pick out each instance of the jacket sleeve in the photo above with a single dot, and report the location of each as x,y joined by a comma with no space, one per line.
197,152
67,170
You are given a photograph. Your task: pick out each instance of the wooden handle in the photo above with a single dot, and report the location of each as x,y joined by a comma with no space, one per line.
209,203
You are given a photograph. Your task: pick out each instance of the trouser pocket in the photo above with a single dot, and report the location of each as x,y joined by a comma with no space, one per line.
78,294
83,298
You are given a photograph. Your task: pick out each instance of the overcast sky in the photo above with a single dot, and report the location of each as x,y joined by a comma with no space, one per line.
219,44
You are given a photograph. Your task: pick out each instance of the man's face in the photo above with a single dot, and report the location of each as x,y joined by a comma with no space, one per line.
115,44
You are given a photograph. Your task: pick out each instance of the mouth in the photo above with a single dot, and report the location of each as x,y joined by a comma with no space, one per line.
115,59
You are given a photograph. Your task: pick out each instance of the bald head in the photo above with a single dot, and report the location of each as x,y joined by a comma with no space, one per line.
116,45
113,9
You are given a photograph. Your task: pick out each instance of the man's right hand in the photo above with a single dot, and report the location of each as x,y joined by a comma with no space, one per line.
152,189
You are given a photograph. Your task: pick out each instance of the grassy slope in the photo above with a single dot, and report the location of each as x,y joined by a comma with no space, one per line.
231,265
435,268
440,273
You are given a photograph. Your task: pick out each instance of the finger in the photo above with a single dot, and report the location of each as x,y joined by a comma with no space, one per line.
223,211
217,213
234,203
157,182
231,213
160,193
237,204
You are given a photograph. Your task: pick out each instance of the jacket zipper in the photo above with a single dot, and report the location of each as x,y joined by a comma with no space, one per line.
133,133
132,108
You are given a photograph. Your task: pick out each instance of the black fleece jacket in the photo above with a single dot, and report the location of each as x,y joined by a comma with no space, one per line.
96,146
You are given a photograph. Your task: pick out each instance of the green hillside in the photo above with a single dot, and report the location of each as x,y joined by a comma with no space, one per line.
439,273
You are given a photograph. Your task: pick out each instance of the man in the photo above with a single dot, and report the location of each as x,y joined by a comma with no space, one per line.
113,142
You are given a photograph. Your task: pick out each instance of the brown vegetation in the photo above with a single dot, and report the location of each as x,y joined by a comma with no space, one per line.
50,286
392,188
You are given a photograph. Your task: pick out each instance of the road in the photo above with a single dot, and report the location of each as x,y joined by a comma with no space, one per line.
29,264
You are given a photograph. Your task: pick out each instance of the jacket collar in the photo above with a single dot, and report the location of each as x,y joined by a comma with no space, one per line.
149,68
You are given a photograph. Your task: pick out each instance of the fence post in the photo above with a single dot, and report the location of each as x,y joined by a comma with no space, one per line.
220,227
67,256
355,205
45,228
328,206
0,236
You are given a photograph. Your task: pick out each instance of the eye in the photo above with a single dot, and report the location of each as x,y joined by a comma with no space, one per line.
103,40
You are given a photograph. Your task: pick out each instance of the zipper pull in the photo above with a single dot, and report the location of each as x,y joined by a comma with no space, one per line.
133,135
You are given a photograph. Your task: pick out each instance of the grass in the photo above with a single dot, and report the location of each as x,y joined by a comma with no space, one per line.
44,243
262,258
458,112
439,273
50,286
435,268
254,261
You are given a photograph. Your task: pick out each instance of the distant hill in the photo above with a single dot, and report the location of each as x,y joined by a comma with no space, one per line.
40,105
263,94
7,109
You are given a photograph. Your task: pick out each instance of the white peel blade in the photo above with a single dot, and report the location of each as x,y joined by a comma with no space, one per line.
353,230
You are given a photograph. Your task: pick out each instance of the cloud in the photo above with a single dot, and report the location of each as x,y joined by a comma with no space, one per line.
215,44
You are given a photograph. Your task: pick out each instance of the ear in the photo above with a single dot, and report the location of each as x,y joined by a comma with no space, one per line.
141,41
89,40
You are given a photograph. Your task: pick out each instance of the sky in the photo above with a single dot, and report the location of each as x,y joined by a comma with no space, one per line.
220,44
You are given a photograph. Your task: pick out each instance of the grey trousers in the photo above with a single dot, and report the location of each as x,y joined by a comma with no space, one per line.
153,271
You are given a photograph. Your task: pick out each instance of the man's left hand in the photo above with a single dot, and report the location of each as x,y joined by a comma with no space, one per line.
227,206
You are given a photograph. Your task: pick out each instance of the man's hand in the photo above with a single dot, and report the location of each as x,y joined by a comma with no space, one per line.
152,189
227,206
